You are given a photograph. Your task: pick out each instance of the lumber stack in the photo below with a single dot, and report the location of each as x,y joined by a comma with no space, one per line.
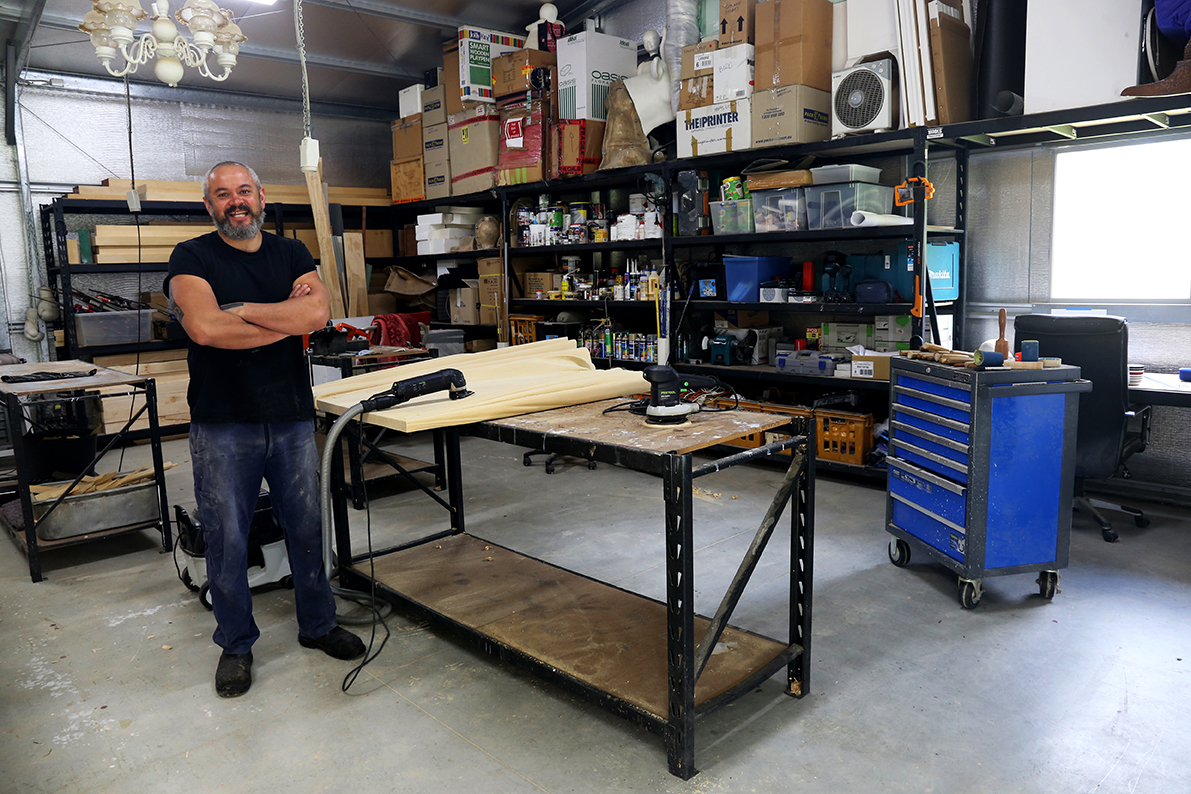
172,378
163,190
103,482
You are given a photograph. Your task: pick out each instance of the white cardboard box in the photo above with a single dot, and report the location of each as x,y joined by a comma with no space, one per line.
588,63
726,127
477,48
733,70
409,100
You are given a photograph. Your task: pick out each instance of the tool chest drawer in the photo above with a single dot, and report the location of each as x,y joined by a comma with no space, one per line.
981,467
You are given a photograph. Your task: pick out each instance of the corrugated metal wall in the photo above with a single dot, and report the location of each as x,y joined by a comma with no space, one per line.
74,138
1009,234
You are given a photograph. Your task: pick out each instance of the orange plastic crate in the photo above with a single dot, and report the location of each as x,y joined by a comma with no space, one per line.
843,436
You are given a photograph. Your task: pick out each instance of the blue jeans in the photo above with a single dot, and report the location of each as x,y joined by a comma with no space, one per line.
229,463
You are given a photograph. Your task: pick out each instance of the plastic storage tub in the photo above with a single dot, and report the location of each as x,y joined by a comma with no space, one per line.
780,210
831,206
845,172
114,328
743,275
731,217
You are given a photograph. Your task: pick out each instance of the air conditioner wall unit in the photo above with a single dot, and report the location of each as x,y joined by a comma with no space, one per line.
864,98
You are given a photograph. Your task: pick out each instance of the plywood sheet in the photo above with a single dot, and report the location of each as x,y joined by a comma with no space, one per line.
506,382
596,633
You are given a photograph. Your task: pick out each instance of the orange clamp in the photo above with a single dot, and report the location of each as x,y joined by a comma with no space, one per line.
904,193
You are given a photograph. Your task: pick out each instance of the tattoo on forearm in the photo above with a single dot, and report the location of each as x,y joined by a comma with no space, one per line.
229,306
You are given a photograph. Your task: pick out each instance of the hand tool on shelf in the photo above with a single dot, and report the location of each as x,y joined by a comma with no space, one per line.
1002,345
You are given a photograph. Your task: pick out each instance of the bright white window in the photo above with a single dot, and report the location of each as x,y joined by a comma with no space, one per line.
1121,217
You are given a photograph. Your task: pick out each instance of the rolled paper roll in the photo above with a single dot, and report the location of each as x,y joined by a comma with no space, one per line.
988,358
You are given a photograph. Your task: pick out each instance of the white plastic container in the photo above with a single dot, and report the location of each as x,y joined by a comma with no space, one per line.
114,328
779,210
845,172
831,206
731,217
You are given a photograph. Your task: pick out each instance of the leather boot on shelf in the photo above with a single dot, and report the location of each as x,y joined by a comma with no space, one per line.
1178,82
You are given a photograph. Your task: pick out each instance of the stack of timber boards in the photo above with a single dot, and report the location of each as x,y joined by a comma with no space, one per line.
160,190
171,376
124,244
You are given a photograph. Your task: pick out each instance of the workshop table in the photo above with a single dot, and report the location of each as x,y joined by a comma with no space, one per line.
18,396
646,660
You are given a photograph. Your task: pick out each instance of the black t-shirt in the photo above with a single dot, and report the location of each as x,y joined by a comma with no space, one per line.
265,384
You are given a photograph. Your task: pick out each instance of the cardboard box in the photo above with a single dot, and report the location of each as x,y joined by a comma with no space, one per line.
491,298
465,303
524,155
474,137
736,22
772,180
434,144
407,179
588,63
726,127
382,303
577,146
452,99
409,100
874,367
478,47
696,92
438,179
793,44
511,72
696,59
733,68
407,137
790,114
541,282
434,106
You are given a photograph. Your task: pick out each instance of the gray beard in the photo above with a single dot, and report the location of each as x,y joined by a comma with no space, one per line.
240,232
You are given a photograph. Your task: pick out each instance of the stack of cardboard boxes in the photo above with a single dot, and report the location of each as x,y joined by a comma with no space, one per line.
764,81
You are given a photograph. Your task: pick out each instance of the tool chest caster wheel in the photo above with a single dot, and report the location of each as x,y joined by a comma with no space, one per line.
1048,584
591,464
899,552
205,596
969,593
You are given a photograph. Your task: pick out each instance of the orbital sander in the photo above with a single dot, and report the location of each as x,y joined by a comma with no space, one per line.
666,392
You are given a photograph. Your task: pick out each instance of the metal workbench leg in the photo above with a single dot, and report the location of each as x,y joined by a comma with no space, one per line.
680,616
339,493
158,464
454,478
802,559
440,456
16,431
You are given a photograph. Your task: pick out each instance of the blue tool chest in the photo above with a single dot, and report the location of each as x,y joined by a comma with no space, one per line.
981,469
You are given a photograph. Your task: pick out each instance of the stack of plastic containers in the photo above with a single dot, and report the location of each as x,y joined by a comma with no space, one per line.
840,190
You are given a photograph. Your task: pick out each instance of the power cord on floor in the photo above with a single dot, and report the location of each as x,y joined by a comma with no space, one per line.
367,600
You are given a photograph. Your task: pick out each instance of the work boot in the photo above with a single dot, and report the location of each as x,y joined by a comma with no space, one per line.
338,642
1178,82
233,676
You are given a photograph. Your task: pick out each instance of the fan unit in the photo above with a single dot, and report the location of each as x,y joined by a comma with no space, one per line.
864,98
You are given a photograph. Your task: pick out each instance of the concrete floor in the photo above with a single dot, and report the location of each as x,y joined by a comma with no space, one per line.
107,667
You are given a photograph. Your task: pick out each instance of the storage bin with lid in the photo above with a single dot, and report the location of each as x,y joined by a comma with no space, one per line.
779,210
831,206
114,328
743,275
844,172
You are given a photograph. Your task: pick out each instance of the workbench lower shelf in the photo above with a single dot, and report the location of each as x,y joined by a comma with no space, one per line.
594,635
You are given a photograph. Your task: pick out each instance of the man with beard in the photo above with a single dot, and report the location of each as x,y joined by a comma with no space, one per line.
245,298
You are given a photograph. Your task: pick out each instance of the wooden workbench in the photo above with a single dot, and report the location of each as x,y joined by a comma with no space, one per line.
634,655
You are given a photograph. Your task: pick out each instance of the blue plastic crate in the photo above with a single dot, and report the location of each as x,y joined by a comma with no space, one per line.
743,275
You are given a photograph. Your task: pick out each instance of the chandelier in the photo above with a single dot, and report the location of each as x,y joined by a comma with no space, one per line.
112,25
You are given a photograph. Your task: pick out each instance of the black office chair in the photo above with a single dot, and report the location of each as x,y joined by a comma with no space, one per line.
1109,429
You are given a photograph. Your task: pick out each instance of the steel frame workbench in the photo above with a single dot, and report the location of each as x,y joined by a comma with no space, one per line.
574,630
19,396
